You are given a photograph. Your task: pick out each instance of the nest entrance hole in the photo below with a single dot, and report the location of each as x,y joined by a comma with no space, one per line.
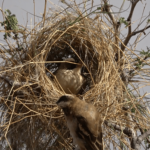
79,53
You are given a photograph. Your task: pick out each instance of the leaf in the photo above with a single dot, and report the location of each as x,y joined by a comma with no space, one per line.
122,20
133,110
10,23
7,11
146,53
99,8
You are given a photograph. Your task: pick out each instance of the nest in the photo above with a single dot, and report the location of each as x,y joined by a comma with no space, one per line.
29,92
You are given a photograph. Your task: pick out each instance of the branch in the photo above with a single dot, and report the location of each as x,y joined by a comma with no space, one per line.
129,37
107,9
143,133
136,68
125,130
132,9
135,141
136,32
133,2
143,136
130,16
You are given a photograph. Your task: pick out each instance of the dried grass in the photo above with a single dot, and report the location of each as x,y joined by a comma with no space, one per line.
29,114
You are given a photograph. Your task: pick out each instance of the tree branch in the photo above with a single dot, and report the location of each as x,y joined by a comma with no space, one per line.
136,32
143,133
136,68
132,9
135,141
133,2
143,136
107,9
125,130
129,37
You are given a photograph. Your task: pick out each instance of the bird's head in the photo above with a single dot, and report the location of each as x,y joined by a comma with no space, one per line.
65,101
67,65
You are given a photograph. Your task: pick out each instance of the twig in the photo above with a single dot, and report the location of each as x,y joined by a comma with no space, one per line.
143,136
125,130
107,9
129,20
132,34
44,13
131,71
135,140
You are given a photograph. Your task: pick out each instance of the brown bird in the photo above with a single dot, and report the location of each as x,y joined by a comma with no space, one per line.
69,76
83,122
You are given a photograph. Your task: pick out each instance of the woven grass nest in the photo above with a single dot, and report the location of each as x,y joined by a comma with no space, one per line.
30,91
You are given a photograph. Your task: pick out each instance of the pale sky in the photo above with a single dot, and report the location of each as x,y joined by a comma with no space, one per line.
19,7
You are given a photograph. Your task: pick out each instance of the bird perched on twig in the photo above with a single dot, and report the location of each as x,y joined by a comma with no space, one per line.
69,76
83,122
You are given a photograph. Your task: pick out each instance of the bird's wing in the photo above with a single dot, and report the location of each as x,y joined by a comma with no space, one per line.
84,133
83,126
88,117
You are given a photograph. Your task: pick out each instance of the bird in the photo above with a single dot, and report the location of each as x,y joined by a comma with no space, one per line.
83,122
69,76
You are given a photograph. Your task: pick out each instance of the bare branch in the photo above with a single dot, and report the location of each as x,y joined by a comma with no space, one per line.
136,68
143,136
125,130
133,2
132,9
143,133
142,30
135,141
107,9
132,34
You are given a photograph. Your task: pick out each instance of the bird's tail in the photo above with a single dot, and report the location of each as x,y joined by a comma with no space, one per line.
97,145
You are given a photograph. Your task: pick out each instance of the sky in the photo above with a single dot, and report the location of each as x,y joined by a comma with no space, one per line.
24,10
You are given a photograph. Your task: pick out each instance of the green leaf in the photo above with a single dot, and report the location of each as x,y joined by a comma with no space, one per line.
122,20
99,8
10,23
7,11
133,110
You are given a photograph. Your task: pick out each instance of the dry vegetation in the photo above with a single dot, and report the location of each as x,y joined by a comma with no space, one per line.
30,117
